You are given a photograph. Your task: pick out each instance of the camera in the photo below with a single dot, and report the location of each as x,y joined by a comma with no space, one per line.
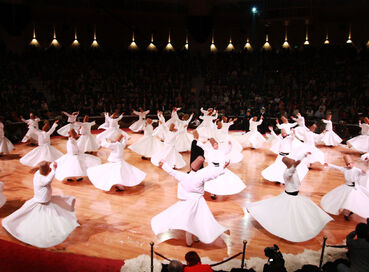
275,260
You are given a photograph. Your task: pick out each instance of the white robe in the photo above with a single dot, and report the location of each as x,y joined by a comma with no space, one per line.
223,138
253,138
173,118
73,124
184,139
87,142
160,130
44,151
329,137
5,145
207,128
361,142
284,147
74,164
116,172
32,125
226,184
111,131
140,123
169,153
351,196
191,213
45,220
147,145
292,217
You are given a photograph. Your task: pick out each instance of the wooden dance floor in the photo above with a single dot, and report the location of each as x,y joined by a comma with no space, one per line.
117,224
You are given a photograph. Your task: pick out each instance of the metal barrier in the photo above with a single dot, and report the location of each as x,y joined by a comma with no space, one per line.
212,265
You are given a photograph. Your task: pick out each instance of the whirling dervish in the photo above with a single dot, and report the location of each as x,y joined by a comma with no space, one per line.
139,125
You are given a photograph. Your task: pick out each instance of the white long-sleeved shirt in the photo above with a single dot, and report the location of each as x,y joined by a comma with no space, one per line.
254,125
116,154
286,126
85,128
43,137
291,177
141,115
328,125
352,175
215,155
364,129
113,122
32,123
285,144
207,120
191,185
71,118
299,120
72,147
42,186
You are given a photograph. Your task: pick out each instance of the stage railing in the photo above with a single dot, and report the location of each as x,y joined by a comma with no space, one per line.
152,252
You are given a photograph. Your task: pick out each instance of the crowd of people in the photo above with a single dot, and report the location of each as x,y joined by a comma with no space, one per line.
312,81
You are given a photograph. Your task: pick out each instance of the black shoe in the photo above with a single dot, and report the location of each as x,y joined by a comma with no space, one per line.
278,183
347,218
144,158
79,179
70,179
213,197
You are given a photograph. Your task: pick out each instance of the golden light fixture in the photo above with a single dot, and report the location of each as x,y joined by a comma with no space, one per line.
34,41
213,48
267,45
94,43
230,46
186,47
248,46
326,39
75,43
55,42
285,45
133,45
151,46
169,46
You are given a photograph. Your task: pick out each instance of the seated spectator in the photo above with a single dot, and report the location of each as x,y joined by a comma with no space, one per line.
194,263
175,266
358,250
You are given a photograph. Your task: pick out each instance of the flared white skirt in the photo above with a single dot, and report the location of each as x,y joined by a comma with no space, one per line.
183,141
137,126
330,138
193,216
252,139
75,165
30,135
316,154
64,130
293,218
274,172
109,133
43,224
5,145
87,143
115,173
206,132
170,155
354,199
147,146
359,143
160,132
41,153
226,184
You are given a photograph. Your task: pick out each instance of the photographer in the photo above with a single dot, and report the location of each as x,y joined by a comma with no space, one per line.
275,260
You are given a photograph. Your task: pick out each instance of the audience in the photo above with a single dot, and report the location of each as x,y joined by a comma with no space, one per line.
194,263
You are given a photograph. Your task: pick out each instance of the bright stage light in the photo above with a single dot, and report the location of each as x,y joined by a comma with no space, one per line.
34,41
151,46
230,46
254,10
55,42
169,46
133,45
213,48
